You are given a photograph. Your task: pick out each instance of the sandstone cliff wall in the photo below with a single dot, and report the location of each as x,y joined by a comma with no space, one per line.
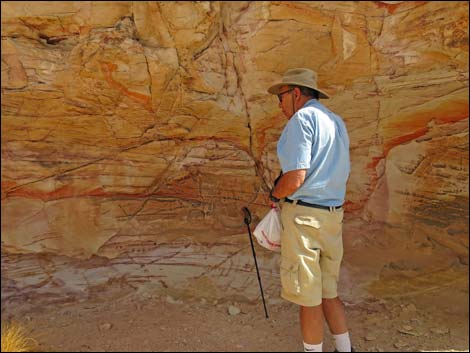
134,132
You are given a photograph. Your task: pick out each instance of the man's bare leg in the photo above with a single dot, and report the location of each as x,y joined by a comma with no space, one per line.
311,323
335,315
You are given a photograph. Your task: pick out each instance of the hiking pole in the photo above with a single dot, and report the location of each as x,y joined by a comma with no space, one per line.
247,213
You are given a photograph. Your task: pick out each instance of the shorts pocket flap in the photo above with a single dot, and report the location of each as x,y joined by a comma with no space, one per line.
307,221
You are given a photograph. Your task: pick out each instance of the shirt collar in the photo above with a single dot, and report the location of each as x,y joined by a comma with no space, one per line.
311,102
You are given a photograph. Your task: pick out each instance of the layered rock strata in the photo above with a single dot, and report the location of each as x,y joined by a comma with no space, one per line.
134,132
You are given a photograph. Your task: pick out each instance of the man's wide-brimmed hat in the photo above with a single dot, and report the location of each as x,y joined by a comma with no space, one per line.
299,77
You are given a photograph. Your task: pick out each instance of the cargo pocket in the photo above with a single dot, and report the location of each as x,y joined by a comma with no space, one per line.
290,276
310,273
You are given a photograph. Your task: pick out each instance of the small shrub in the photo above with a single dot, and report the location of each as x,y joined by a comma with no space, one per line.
14,339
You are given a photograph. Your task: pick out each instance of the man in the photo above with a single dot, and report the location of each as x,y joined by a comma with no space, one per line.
313,152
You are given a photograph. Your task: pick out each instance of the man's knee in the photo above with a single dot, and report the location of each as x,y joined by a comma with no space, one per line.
314,313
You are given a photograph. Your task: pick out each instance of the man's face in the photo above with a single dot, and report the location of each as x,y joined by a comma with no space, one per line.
285,97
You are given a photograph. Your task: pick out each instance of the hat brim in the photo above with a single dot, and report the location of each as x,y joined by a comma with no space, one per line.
275,89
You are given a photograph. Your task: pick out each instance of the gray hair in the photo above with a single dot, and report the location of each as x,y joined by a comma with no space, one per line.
306,91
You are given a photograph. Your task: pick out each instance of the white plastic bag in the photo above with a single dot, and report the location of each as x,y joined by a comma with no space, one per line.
268,230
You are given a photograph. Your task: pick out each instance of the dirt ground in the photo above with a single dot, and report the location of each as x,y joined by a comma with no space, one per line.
395,318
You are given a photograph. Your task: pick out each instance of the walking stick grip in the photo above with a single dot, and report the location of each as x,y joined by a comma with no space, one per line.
247,213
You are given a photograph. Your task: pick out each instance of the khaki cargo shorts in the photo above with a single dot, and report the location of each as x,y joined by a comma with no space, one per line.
311,253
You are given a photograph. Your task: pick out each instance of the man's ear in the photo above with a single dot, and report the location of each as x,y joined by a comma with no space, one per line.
297,92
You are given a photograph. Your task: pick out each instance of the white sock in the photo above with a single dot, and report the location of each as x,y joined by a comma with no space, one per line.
313,347
342,342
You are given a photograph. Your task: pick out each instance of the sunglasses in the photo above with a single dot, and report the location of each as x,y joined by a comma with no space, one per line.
280,94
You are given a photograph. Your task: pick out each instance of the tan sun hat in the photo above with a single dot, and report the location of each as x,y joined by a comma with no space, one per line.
299,77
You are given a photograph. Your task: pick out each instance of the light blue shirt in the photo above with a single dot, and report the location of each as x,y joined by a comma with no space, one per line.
316,139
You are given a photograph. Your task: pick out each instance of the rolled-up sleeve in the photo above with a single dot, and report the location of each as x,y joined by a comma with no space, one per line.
295,145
